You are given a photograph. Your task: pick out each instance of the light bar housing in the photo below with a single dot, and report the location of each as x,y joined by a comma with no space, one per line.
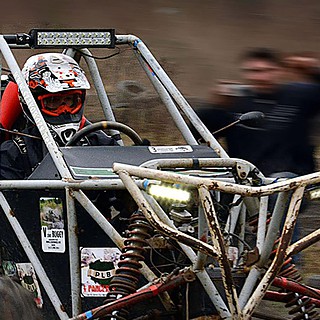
74,38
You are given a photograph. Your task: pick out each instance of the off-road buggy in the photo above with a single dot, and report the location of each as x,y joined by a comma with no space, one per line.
188,232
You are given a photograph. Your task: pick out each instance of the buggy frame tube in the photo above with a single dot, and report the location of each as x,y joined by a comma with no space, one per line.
100,89
106,226
201,274
32,256
214,184
74,256
157,223
242,225
114,236
203,162
34,110
168,102
262,220
98,217
233,215
172,98
276,264
218,242
101,184
273,229
304,243
202,234
173,91
286,235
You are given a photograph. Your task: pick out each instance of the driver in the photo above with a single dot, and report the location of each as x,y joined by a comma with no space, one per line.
59,86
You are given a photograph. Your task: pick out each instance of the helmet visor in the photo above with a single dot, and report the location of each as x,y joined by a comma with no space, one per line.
55,104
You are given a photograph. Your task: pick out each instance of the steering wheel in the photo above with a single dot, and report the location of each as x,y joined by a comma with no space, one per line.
102,125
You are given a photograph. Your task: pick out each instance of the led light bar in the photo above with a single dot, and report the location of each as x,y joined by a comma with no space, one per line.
169,193
100,38
314,194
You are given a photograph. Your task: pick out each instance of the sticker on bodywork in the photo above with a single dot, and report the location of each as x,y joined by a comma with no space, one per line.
98,265
170,149
52,225
92,172
28,279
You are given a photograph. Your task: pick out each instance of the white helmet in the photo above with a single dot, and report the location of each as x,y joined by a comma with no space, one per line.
58,85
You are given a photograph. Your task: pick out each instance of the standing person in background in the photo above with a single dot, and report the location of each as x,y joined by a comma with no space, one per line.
279,144
301,67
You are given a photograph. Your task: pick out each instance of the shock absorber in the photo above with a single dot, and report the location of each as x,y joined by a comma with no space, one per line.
302,306
125,280
302,309
289,271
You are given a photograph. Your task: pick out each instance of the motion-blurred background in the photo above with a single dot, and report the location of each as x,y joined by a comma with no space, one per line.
196,41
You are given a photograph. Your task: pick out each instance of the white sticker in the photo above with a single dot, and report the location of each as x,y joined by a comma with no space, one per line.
98,266
170,149
28,279
52,225
233,255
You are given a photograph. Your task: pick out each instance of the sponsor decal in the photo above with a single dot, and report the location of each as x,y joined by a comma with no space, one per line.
52,225
170,149
98,265
28,279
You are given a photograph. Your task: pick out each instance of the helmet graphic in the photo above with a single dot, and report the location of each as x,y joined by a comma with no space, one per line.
54,72
58,85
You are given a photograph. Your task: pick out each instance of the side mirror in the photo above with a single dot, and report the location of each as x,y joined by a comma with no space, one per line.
252,115
250,119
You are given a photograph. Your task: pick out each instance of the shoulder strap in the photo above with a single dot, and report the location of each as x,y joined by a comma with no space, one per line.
22,147
20,144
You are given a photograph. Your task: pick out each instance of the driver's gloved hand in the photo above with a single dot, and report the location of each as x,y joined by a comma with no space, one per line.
146,142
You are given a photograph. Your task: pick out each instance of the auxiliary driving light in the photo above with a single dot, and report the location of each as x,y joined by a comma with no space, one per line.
168,192
103,38
313,193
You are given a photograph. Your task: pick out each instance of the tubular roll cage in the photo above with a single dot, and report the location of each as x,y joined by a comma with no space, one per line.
131,177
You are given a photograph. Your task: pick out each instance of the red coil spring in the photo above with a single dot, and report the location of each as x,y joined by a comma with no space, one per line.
125,280
302,307
289,271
